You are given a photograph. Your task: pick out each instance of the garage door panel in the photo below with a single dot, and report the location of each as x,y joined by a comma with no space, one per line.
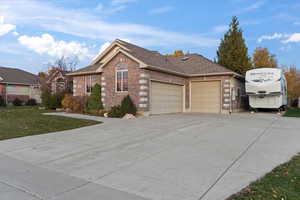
166,98
206,97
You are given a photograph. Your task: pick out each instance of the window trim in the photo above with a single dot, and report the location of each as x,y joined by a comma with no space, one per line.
122,79
86,83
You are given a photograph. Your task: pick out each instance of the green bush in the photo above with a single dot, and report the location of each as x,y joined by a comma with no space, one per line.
52,101
127,106
94,101
55,101
115,112
2,101
17,102
31,102
46,98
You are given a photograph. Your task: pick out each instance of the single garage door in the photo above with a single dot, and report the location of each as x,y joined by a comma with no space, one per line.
166,98
206,97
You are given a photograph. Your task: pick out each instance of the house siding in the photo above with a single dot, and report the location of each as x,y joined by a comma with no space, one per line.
23,93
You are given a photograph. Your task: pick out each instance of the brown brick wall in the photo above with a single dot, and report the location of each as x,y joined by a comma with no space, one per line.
109,94
79,83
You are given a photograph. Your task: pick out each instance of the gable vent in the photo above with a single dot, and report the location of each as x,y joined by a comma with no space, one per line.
185,58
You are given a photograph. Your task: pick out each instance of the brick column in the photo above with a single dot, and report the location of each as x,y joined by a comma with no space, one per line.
144,92
226,95
103,94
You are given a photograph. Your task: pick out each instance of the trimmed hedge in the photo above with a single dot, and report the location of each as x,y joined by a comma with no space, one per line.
2,101
31,102
17,102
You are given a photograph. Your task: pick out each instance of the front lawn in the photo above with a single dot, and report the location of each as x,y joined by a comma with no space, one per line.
292,112
283,183
25,121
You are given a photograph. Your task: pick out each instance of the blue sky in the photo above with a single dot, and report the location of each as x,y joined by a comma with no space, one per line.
36,32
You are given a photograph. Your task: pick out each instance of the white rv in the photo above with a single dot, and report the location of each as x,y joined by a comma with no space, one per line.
266,88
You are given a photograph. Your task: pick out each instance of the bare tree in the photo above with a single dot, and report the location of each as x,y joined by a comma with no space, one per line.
64,64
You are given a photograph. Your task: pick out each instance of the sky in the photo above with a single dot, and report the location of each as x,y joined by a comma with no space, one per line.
36,32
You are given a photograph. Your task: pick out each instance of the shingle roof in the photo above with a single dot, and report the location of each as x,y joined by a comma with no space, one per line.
88,69
193,64
17,76
190,64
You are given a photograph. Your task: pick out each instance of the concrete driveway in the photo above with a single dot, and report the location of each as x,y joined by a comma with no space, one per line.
168,157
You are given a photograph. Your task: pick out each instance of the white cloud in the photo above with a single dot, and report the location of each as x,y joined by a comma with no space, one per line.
161,10
15,33
5,28
285,38
46,44
293,38
252,7
272,37
46,16
220,29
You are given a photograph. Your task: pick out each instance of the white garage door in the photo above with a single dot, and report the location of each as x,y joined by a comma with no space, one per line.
166,98
206,97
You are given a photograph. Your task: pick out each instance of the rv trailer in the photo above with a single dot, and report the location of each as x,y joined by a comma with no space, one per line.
266,88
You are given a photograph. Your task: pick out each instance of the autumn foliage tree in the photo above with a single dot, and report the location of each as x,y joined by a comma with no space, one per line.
262,58
177,53
233,52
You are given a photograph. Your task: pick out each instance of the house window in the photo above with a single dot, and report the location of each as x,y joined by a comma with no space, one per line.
122,78
88,84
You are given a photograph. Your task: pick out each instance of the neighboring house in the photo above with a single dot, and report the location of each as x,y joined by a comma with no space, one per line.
16,83
58,81
160,84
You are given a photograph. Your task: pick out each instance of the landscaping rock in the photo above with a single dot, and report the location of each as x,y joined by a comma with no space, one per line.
129,116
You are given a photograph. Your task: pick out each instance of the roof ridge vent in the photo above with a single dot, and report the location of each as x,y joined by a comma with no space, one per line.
184,58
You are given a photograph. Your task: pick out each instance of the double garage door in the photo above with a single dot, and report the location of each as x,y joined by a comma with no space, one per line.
168,98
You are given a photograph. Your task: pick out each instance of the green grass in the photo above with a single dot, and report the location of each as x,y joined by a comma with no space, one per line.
292,112
25,120
283,183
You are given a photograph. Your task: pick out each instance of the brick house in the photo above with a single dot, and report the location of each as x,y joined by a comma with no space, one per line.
160,84
16,83
58,81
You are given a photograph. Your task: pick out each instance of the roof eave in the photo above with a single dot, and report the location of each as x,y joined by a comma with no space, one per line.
165,70
83,73
217,74
15,83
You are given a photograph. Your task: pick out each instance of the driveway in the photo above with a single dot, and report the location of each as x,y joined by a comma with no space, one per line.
168,157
